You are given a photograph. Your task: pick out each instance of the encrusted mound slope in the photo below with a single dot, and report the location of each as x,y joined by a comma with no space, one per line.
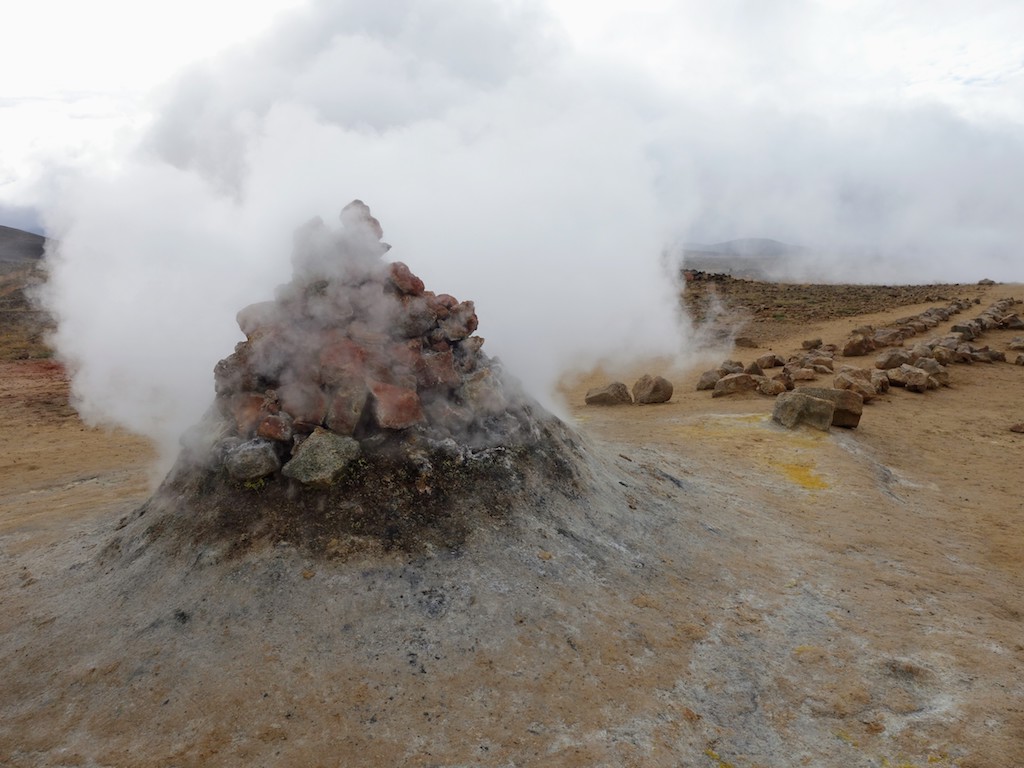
360,411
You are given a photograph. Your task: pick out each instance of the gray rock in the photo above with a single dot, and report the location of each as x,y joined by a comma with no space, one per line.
754,369
880,381
810,343
1016,344
1019,360
934,369
252,460
891,358
730,366
847,404
652,389
615,393
795,408
321,458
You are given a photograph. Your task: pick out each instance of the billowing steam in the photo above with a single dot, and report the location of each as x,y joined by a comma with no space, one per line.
542,183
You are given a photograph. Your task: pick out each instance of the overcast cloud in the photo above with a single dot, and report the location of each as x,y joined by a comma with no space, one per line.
539,168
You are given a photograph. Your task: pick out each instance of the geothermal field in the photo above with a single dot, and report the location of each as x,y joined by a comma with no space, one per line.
377,548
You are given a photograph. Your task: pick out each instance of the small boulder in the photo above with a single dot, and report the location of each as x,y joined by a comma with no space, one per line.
770,360
795,408
1016,344
859,384
1018,428
1019,360
615,393
321,459
395,407
746,342
730,366
810,343
754,369
652,389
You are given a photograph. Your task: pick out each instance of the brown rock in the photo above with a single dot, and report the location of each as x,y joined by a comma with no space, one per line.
754,369
437,369
857,345
810,343
770,360
1016,344
910,377
730,366
1019,360
858,384
652,389
615,393
734,383
342,359
771,387
745,342
891,358
804,374
1019,428
707,380
248,409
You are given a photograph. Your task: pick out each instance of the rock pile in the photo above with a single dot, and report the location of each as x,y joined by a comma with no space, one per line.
358,380
917,368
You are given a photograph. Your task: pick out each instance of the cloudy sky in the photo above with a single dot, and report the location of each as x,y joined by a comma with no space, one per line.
535,156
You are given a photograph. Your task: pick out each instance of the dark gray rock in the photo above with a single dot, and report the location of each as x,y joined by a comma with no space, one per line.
707,380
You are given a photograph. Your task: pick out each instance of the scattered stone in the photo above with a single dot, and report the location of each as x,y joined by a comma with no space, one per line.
810,343
880,381
746,342
321,459
1019,428
804,374
1019,360
734,383
615,393
754,369
847,404
793,409
1016,344
652,389
986,281
1013,322
708,379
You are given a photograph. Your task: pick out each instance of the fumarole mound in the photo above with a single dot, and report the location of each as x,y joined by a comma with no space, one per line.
359,411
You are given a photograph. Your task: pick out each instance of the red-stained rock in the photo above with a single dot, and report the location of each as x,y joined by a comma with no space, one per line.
461,321
440,304
342,358
346,407
248,409
437,369
395,407
277,426
404,280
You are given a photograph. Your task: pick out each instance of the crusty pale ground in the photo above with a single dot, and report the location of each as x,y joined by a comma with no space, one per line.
850,599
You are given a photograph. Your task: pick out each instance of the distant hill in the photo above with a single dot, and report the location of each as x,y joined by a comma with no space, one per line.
16,245
751,248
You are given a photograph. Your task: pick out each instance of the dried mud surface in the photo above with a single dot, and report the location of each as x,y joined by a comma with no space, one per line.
726,593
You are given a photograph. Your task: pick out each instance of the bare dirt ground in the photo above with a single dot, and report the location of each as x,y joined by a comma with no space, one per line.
737,595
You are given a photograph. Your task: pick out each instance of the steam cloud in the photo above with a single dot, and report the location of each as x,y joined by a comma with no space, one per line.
506,168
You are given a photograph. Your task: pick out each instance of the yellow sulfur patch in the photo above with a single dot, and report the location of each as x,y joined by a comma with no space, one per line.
803,475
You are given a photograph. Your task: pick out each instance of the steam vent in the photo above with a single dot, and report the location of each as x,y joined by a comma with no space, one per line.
360,410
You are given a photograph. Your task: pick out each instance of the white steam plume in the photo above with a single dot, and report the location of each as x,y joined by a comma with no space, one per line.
508,169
